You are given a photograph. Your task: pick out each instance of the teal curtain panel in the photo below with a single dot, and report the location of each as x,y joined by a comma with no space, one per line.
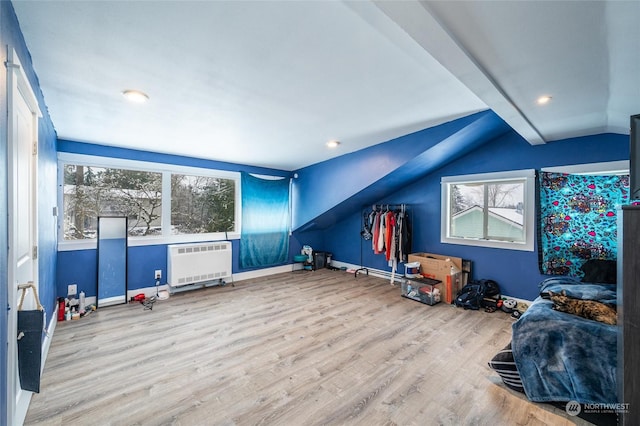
265,222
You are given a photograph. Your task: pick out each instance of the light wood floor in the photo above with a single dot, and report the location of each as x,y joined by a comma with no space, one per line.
304,348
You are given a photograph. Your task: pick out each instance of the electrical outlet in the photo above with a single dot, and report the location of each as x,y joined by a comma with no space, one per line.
158,274
72,289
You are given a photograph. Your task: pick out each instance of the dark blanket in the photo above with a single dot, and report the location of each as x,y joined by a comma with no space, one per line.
563,357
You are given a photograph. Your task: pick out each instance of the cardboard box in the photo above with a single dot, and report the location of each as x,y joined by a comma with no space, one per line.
438,267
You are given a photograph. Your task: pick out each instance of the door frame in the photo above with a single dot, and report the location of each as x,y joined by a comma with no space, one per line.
18,86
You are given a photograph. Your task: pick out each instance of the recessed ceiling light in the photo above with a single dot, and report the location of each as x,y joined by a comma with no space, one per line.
333,143
543,99
135,96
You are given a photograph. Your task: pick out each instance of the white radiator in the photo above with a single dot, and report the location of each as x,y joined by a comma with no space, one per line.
198,263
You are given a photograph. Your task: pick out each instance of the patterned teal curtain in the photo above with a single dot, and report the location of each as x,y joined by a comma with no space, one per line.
265,222
578,220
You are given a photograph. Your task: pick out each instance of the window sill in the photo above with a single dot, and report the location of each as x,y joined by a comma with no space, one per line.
72,245
477,242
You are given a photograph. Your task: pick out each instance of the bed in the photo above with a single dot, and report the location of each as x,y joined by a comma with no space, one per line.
557,357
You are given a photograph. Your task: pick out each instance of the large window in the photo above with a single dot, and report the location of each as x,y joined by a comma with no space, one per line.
490,210
201,204
163,203
89,192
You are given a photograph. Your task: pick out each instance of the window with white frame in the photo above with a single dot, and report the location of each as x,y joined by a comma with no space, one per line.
90,191
489,210
162,202
202,204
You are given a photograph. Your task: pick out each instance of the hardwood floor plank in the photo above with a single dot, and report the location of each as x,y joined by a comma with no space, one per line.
312,348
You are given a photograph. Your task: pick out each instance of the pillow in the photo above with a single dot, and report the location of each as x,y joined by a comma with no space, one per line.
505,366
564,281
599,271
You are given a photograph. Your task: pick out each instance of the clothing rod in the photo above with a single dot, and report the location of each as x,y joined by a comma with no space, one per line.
385,205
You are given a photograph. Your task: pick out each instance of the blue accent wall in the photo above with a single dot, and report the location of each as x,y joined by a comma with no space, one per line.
79,266
143,260
11,38
156,157
477,144
47,222
516,271
325,192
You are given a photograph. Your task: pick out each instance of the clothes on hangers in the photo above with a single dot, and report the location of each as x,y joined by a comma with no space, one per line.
404,236
390,235
382,233
375,225
390,232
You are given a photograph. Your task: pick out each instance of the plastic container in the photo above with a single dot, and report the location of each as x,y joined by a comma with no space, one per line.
82,301
412,270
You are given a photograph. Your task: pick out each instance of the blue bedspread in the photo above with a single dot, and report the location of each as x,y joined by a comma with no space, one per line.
563,357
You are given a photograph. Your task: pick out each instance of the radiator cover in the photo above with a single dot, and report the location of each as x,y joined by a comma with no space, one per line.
197,263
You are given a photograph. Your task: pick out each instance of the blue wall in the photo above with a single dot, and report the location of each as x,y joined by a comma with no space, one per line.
154,157
516,271
330,189
11,37
79,266
47,200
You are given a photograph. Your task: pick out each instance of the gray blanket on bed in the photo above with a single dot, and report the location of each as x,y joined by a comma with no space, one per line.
563,357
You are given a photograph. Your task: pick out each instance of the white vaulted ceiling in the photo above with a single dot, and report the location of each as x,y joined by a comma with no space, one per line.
268,83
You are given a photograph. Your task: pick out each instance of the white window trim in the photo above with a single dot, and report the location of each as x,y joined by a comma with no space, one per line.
530,209
166,170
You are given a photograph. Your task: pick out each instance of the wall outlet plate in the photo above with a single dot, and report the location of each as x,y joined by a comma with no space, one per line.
158,274
72,289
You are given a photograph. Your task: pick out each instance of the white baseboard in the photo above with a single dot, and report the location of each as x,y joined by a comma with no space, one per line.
49,337
148,291
241,276
398,277
368,271
265,272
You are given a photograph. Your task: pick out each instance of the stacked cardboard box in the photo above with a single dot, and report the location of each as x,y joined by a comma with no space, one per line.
439,267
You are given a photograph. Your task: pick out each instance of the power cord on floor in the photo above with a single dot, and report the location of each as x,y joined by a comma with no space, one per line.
148,302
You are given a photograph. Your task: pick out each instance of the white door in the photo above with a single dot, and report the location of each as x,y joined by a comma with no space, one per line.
23,233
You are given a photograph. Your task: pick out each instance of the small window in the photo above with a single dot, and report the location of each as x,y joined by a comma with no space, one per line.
489,210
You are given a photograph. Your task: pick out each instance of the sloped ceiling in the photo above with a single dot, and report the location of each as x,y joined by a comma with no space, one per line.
267,83
415,156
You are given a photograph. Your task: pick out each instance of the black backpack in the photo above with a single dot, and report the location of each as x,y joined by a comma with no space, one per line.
469,296
478,294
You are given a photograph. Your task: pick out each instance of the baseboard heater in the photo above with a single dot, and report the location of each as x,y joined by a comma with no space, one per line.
198,265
